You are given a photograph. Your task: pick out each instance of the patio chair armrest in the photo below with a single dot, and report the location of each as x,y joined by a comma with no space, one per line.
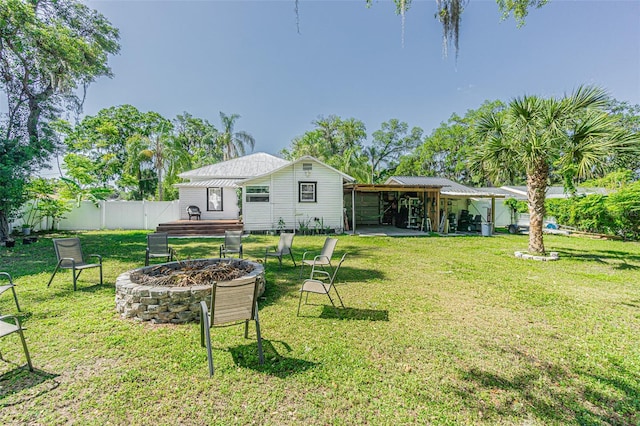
304,255
15,318
320,256
69,259
98,256
6,274
321,272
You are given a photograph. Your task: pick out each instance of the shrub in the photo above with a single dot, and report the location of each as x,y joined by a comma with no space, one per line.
587,213
624,208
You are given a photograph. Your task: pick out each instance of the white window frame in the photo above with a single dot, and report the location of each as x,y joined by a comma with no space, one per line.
257,194
217,191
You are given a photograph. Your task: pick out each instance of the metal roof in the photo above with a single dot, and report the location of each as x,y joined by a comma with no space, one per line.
520,192
245,167
209,183
449,187
345,177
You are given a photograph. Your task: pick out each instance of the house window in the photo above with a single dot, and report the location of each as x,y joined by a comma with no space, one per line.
307,192
214,199
257,194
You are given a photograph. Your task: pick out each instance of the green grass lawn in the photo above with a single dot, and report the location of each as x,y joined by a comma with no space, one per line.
436,331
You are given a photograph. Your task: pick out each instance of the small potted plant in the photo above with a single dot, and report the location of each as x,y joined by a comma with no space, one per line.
26,229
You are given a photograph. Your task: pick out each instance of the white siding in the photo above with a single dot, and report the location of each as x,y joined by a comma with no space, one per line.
256,216
283,199
198,197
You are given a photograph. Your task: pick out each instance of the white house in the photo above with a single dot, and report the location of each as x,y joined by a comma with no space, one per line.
213,188
276,193
303,193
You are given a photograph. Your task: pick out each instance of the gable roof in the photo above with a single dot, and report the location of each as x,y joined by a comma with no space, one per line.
345,176
237,168
449,187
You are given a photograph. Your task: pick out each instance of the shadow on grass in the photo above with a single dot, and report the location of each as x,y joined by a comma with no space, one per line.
64,288
625,409
552,394
21,385
275,364
354,314
620,259
632,303
281,283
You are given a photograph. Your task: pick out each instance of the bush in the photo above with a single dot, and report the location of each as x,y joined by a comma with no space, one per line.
616,214
624,208
586,213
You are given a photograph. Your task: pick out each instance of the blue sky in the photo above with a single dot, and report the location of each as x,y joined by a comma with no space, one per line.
246,57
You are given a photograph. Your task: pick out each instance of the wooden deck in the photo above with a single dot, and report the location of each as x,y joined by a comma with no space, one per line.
211,228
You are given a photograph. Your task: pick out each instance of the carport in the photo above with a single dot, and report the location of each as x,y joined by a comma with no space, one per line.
403,206
417,203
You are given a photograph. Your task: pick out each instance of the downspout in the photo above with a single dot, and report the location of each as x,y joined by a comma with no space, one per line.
437,227
353,210
493,214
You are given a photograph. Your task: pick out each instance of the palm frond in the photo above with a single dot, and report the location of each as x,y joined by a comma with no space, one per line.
588,97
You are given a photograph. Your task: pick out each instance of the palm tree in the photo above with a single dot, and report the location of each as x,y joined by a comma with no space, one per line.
233,143
571,136
158,138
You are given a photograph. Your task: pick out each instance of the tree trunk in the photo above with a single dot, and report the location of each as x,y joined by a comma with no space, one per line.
536,194
4,226
160,190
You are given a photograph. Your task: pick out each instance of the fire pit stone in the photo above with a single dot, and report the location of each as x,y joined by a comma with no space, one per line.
170,304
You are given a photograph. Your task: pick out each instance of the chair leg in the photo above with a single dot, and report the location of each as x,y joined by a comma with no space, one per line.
338,294
335,308
75,277
246,329
292,259
101,274
205,334
260,354
15,297
299,303
301,269
54,274
146,259
24,346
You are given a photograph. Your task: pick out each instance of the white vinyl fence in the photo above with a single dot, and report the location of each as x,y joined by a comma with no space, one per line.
115,215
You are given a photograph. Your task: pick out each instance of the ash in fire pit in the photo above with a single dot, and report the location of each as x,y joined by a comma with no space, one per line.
198,272
172,292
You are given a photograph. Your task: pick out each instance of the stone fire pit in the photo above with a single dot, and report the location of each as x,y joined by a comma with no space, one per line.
172,292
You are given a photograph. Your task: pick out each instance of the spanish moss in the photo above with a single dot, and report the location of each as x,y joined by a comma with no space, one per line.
449,14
